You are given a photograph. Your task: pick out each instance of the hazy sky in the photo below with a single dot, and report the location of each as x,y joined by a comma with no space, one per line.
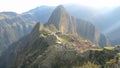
20,6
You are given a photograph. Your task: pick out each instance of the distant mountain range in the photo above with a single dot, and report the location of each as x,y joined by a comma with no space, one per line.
12,27
109,24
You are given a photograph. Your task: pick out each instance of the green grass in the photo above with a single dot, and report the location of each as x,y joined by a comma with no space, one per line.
110,48
62,39
90,65
99,49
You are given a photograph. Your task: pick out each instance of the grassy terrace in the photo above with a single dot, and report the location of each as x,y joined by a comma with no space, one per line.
109,48
99,49
64,39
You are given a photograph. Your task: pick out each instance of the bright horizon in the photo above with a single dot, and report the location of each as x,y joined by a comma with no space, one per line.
20,6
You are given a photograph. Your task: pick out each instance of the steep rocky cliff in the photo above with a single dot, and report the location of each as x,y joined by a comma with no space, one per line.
12,27
67,24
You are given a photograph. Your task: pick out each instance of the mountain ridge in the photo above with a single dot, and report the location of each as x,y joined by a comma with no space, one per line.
68,24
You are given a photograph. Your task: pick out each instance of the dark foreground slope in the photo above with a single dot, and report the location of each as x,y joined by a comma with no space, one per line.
40,48
44,49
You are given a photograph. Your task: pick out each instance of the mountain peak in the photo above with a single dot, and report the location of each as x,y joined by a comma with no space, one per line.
36,30
61,20
60,9
67,24
38,27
